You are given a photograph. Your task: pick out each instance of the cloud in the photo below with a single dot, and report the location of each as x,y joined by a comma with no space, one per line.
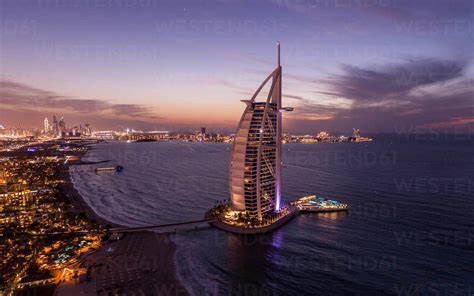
412,10
223,82
21,98
294,97
393,82
416,92
391,9
299,78
249,59
456,121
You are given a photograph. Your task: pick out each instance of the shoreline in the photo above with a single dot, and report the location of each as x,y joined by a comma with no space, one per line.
141,263
76,199
158,250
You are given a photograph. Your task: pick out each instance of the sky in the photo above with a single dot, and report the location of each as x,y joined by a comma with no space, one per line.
377,65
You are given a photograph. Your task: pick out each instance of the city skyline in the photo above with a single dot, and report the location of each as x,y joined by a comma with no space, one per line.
163,64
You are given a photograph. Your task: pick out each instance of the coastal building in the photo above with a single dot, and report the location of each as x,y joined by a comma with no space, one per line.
62,128
202,134
356,137
46,125
255,165
87,131
55,126
322,135
356,133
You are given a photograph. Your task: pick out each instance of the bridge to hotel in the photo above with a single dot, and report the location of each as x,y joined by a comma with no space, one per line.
170,225
128,229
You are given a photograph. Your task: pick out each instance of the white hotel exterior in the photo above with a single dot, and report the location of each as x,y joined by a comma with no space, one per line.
255,165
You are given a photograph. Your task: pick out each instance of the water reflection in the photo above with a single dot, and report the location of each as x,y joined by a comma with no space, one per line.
334,217
250,258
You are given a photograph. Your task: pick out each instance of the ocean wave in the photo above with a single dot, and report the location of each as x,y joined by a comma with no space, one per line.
176,181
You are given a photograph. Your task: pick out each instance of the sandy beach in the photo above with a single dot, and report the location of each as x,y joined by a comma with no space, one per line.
141,263
78,203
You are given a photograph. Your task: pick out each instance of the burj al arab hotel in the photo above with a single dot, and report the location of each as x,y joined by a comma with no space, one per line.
255,170
255,164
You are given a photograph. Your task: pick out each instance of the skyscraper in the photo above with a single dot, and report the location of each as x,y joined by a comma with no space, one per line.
255,166
46,125
62,128
55,126
355,133
202,134
87,129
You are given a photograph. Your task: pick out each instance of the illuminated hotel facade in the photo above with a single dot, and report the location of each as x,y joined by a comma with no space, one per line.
255,165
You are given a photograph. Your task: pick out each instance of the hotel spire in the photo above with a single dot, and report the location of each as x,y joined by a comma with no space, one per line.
255,166
278,53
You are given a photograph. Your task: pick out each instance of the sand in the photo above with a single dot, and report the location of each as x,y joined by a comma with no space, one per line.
141,263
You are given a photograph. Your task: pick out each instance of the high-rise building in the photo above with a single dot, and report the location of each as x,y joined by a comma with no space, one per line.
46,125
87,130
255,166
202,134
355,133
61,128
55,126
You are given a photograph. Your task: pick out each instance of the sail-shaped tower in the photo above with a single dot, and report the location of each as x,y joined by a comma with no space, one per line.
255,165
255,169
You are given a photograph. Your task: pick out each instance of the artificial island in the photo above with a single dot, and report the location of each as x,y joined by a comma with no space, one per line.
255,169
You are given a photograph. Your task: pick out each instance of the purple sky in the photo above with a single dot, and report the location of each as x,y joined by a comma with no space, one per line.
378,65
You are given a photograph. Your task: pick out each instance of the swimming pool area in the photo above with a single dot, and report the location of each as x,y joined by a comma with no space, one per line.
314,203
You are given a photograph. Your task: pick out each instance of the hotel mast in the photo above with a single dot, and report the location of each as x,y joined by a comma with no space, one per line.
255,165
